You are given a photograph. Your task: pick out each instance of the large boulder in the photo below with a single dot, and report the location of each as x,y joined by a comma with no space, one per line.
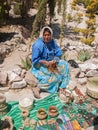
92,87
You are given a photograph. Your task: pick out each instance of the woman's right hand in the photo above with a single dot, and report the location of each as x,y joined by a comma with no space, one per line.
47,63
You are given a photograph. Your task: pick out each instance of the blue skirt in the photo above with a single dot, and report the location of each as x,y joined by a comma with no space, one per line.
49,81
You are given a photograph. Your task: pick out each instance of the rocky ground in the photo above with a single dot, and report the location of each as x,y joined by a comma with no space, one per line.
16,82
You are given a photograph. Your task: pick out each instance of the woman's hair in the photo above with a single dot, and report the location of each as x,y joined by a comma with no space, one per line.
46,30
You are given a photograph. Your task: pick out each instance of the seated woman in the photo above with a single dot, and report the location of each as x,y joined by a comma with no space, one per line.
51,72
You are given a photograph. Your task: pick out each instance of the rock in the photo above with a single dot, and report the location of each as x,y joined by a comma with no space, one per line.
91,64
81,75
17,71
74,72
92,87
72,47
23,48
13,77
30,79
3,77
71,55
72,84
82,81
15,95
20,84
92,73
23,73
3,89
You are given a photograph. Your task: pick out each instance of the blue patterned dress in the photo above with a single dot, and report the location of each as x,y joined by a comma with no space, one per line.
49,81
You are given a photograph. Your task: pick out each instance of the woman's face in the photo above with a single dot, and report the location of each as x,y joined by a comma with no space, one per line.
46,36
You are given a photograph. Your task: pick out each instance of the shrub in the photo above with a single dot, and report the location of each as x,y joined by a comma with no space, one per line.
84,55
26,63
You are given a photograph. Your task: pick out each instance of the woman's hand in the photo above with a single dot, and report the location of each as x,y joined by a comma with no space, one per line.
48,63
45,62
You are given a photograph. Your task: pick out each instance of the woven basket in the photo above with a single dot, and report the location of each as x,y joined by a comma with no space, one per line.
92,87
26,103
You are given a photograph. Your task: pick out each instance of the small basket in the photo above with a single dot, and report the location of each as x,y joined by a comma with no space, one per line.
41,114
26,103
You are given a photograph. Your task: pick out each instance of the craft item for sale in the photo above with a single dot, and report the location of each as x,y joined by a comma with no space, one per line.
90,117
89,122
78,91
81,123
41,113
21,128
81,99
24,113
95,103
65,96
89,108
65,126
63,118
59,121
85,125
65,108
57,126
7,123
76,125
3,105
62,127
92,87
26,103
52,111
33,123
51,121
26,122
79,116
69,125
66,117
41,122
95,122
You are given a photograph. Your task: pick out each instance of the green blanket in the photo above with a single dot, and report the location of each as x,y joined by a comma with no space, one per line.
15,112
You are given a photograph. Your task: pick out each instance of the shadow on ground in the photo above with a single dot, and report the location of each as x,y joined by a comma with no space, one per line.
6,36
67,32
23,21
26,21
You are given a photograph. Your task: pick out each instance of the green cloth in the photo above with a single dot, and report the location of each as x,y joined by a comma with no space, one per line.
15,112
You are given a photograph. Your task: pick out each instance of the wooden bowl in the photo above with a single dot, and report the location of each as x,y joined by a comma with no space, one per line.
41,114
52,112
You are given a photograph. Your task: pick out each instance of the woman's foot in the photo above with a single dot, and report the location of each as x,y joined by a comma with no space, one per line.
36,92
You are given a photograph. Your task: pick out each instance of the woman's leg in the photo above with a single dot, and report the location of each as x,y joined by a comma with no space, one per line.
64,73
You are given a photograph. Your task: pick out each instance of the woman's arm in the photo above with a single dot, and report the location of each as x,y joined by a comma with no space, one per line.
44,62
35,54
58,51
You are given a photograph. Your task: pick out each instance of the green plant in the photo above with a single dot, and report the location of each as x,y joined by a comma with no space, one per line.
26,63
17,8
84,55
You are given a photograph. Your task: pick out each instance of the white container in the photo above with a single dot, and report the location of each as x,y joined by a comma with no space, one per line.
26,103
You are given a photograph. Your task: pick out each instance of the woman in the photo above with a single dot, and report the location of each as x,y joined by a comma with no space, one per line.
46,53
